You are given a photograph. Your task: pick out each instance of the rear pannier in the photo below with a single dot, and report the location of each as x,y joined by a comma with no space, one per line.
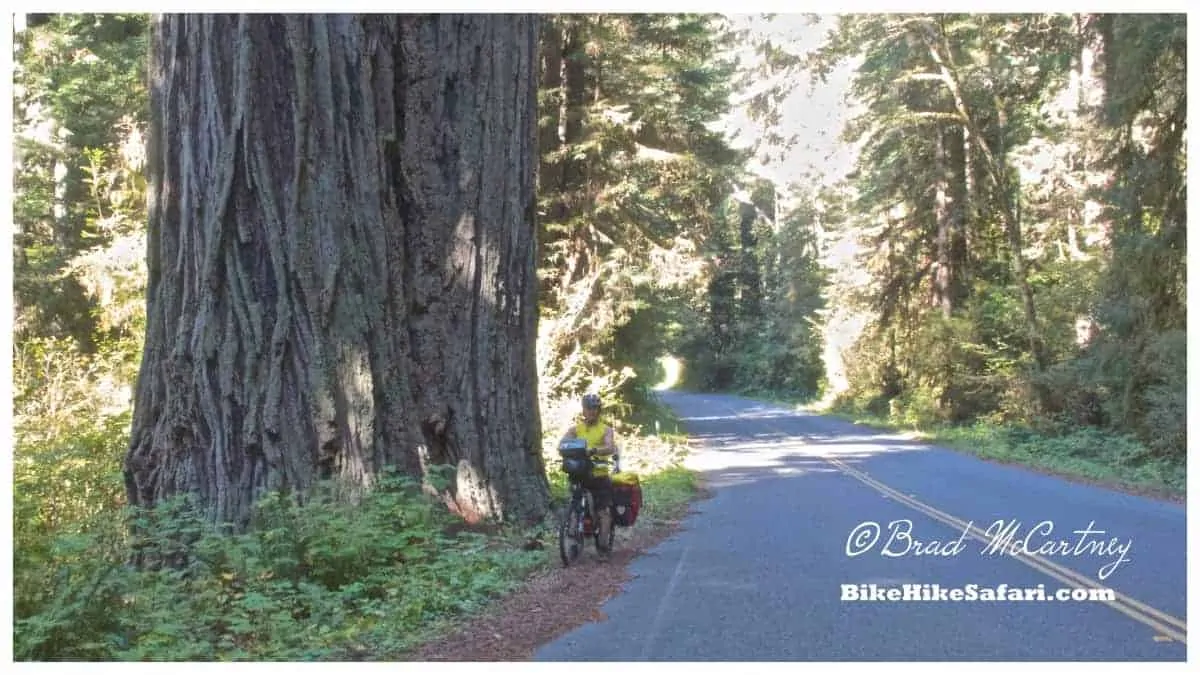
627,498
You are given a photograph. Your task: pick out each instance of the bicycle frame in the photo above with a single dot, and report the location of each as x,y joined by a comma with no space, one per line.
571,536
580,507
581,502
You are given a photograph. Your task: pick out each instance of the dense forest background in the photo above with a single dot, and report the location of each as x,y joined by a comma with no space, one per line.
1017,225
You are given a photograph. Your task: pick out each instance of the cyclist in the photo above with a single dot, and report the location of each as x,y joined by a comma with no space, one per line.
602,444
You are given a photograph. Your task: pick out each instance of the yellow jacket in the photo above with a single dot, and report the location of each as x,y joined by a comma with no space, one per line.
597,435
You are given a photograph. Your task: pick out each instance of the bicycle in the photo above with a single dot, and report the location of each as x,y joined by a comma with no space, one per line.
579,515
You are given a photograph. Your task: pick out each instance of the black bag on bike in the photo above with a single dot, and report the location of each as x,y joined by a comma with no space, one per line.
575,461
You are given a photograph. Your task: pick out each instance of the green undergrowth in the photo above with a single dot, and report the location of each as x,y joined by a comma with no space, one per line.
1073,452
318,581
322,580
666,495
1086,453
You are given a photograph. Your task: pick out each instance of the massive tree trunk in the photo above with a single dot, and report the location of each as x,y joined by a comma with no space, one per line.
341,259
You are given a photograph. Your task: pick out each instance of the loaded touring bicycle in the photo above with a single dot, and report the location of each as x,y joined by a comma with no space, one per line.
579,517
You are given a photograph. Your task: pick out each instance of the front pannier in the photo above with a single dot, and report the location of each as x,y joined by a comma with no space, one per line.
575,461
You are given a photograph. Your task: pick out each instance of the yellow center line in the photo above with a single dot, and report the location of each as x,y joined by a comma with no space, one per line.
1171,626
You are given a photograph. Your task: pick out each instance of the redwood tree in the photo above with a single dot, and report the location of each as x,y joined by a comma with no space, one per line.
341,259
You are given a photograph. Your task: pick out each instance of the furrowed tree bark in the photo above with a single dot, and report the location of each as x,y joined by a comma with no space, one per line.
341,259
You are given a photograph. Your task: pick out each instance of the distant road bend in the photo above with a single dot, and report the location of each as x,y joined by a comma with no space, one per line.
760,570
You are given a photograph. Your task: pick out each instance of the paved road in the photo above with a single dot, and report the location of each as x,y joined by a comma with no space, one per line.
757,572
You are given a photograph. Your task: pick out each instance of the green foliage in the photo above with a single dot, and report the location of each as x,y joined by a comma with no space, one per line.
666,495
1093,179
1088,453
1165,397
71,414
1139,358
319,580
80,104
757,328
630,174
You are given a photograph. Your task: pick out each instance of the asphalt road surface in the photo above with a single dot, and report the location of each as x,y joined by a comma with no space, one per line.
757,572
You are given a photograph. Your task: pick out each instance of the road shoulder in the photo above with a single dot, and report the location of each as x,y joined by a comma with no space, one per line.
557,600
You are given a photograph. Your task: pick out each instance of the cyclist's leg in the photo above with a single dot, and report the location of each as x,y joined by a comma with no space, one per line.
601,489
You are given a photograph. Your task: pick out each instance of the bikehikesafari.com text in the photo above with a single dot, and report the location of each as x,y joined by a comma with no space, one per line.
971,593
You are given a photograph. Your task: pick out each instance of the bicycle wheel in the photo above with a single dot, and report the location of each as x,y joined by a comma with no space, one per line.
570,532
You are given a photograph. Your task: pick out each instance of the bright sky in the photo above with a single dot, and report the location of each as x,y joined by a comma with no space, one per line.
816,112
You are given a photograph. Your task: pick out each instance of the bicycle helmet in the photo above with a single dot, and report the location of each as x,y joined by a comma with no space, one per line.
591,402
